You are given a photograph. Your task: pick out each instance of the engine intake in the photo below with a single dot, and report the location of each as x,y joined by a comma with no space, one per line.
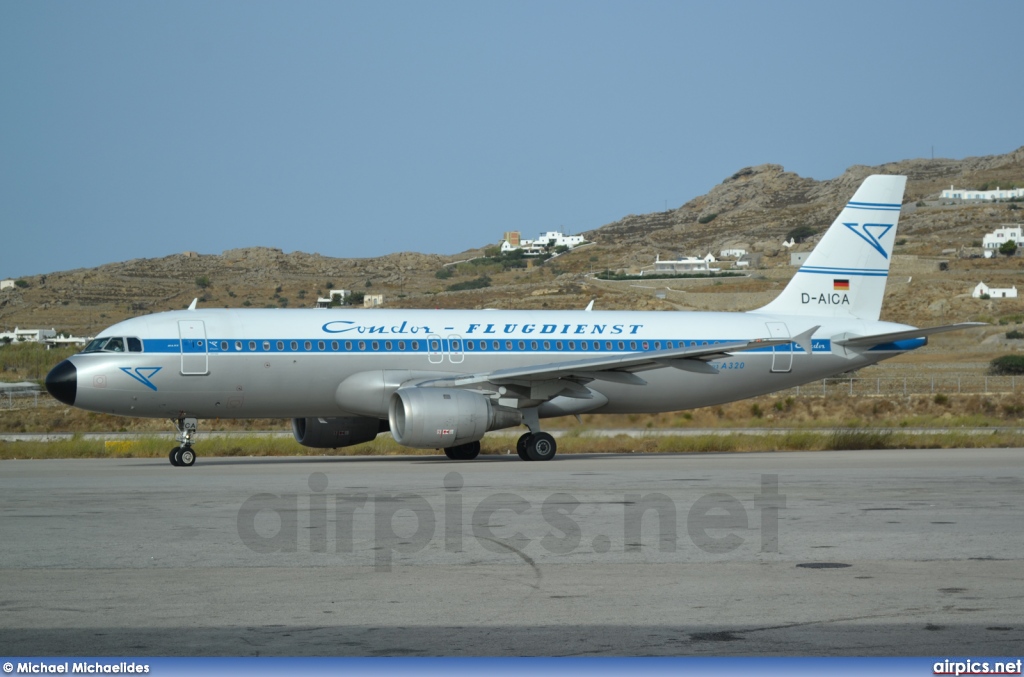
435,418
331,433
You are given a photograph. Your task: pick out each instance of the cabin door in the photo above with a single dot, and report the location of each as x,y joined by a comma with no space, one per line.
195,359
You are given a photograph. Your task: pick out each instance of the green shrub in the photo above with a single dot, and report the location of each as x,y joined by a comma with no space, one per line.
443,274
800,233
1007,365
1015,334
708,218
477,283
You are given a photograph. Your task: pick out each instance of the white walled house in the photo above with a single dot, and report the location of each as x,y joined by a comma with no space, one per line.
968,194
994,293
373,300
342,294
1000,236
539,246
686,264
735,253
32,335
6,284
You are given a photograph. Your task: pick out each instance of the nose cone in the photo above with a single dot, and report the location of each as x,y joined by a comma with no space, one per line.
62,382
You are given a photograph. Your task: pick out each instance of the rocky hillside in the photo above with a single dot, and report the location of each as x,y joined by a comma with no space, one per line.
755,207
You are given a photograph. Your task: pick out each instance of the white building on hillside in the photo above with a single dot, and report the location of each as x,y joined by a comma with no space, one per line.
993,293
735,253
687,264
373,300
1000,236
342,294
6,284
550,239
968,194
33,335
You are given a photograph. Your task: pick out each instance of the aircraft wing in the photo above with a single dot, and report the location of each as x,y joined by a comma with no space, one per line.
879,339
619,368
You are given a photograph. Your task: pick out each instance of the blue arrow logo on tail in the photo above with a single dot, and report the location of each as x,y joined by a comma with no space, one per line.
871,233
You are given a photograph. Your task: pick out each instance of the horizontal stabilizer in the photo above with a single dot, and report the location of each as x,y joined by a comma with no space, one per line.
878,339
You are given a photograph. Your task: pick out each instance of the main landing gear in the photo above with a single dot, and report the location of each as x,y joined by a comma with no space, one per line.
184,455
536,447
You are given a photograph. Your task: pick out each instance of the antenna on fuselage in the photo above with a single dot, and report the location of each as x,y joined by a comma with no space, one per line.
192,306
590,306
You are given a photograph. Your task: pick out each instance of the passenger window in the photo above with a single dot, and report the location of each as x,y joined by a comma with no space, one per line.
348,345
646,345
295,345
470,345
362,345
508,345
415,345
632,345
622,345
252,345
455,345
583,345
223,345
266,345
607,345
657,345
435,345
376,345
307,345
522,345
238,345
533,345
558,345
496,345
387,345
320,345
334,345
401,345
134,345
547,345
572,345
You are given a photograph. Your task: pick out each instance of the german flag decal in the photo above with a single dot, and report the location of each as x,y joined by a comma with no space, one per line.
840,285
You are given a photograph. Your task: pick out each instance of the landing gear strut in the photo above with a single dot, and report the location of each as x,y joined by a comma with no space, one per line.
184,455
535,445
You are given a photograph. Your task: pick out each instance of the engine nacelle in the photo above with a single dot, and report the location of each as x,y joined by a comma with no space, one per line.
435,418
331,433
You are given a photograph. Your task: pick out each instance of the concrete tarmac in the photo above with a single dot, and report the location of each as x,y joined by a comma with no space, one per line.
890,553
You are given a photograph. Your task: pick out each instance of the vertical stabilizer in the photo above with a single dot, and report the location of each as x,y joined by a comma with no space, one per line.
845,275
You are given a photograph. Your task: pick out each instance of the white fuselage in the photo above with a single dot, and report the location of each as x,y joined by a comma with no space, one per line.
280,363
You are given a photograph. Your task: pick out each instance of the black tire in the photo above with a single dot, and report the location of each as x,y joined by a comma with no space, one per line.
186,457
172,457
522,444
463,452
541,447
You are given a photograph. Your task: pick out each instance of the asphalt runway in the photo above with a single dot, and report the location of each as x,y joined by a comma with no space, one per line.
892,553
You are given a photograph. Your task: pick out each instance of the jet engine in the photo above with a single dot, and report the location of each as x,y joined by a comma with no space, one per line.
435,418
331,433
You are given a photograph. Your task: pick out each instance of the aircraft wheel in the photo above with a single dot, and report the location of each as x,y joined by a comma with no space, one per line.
541,447
186,457
463,452
522,444
172,457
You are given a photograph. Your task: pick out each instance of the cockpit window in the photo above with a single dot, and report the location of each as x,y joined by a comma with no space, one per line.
113,344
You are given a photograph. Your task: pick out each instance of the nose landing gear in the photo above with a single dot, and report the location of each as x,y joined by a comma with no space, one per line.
184,455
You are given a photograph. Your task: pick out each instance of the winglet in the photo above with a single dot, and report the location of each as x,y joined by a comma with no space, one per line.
804,339
590,306
192,306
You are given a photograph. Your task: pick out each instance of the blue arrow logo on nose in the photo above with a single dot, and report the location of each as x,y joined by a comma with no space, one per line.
142,375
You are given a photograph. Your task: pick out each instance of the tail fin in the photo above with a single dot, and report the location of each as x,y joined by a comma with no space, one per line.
845,275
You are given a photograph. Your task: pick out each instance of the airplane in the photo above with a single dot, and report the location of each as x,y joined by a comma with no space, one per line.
442,379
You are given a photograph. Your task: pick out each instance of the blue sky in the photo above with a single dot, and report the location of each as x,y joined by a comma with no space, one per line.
142,129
